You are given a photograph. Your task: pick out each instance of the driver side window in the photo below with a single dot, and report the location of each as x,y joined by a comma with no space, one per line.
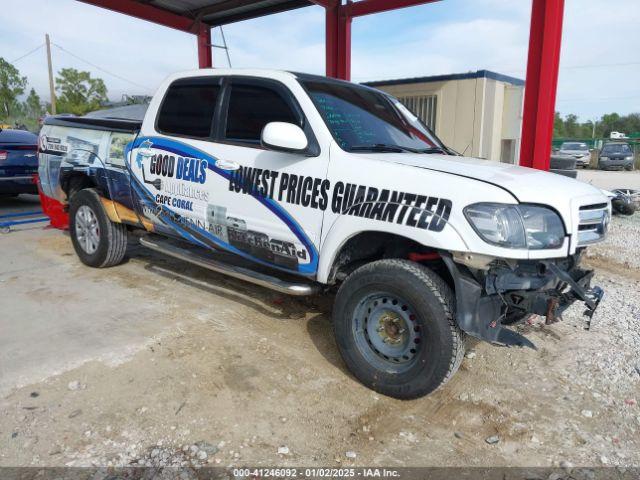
251,107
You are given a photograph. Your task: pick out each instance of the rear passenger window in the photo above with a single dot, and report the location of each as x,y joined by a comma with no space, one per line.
251,107
188,108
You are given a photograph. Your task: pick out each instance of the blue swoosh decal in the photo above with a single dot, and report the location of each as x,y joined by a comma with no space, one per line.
185,150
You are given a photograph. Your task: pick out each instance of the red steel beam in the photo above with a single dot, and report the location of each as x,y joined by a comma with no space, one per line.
205,57
331,40
338,28
545,39
344,47
147,12
366,7
324,3
338,42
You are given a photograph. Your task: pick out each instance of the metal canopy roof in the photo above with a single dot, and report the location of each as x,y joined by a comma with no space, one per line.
221,12
197,16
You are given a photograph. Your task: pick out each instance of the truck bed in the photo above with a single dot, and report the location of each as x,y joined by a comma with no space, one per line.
121,125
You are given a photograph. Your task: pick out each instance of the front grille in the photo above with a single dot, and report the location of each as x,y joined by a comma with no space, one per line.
597,206
594,223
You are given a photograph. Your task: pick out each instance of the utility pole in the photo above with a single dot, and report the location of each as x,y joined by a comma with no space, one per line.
52,87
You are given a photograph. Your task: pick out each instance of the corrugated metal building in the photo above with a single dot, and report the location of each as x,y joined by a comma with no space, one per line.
477,113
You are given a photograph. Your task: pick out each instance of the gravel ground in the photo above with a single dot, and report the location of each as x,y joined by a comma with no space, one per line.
240,376
622,247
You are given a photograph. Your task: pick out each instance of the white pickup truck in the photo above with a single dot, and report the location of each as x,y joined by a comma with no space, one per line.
308,185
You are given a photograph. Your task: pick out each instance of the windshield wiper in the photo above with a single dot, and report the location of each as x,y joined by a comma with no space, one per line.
432,150
382,147
385,147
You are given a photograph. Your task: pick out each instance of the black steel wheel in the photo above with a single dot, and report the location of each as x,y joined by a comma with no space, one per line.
395,328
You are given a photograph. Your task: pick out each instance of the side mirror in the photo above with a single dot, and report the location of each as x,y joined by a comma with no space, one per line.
285,137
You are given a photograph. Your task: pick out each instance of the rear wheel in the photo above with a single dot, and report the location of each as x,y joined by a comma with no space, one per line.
394,326
98,241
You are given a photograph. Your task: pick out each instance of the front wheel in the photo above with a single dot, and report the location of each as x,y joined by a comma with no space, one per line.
97,240
395,328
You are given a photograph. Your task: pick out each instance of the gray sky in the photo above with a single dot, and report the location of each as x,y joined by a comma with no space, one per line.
600,63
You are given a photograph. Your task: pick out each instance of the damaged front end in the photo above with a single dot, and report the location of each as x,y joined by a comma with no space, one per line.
503,293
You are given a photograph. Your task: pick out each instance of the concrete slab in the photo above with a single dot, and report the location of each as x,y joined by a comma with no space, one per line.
56,314
610,180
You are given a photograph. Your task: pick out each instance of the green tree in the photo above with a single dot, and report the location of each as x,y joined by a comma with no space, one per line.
571,125
33,106
568,127
12,85
611,122
558,126
78,92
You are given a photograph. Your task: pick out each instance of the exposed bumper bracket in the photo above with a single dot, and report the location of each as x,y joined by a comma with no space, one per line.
479,315
480,312
582,290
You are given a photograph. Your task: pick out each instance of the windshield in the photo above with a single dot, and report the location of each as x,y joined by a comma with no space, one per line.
574,146
616,148
362,119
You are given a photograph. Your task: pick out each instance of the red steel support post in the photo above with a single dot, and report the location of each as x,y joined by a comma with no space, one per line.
331,39
344,46
541,84
338,42
205,58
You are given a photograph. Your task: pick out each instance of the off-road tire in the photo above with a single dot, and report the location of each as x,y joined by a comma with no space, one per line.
432,300
112,244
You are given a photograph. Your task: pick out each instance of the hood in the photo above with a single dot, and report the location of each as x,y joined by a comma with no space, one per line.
527,185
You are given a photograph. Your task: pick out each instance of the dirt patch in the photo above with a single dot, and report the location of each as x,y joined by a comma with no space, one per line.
240,372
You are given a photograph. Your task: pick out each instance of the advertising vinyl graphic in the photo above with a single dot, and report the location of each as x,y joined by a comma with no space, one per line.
175,186
99,153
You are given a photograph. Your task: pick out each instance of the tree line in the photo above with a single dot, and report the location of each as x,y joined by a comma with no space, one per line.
568,126
76,92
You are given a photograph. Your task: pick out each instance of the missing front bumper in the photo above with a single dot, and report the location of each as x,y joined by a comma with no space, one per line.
485,307
580,289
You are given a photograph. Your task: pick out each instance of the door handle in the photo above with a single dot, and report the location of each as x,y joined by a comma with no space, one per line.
227,165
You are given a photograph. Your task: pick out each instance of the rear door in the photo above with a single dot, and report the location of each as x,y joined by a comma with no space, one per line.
170,161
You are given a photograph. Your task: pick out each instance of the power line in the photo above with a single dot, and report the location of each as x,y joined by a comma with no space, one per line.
28,53
102,69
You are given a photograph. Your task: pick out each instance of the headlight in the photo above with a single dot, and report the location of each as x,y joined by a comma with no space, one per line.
516,226
604,158
630,157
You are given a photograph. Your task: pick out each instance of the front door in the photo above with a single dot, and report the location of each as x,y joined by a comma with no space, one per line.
269,208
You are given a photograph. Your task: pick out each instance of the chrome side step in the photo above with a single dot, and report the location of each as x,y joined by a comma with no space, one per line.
235,271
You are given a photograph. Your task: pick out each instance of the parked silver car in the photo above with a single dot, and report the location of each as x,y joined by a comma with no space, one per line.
578,150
